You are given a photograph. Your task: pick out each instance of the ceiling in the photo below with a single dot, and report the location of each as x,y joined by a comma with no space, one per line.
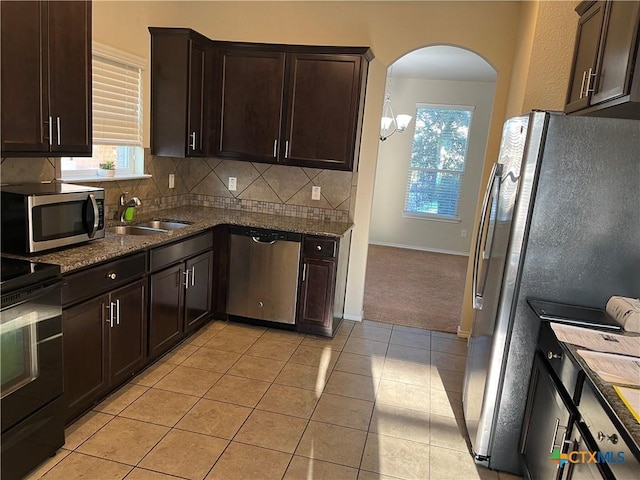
443,62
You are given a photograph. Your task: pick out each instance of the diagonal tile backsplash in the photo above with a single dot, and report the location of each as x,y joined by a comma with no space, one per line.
275,189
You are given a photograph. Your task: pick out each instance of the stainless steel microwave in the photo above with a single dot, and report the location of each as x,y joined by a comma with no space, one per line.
42,216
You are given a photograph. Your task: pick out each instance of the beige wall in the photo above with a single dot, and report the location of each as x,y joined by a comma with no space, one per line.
391,29
388,225
540,78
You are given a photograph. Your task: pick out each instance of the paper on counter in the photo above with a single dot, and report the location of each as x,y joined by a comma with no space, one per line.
631,398
597,340
613,368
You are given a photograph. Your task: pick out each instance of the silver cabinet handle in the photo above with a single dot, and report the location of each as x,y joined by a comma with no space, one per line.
275,148
186,281
286,149
496,172
613,438
118,311
193,140
584,78
50,130
555,434
318,247
553,356
59,134
111,276
111,313
193,276
589,90
304,272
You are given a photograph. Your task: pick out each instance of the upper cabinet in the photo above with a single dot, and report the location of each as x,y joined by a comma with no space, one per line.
46,78
178,92
290,105
605,78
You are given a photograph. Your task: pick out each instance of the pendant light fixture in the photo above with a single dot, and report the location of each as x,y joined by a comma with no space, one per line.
391,123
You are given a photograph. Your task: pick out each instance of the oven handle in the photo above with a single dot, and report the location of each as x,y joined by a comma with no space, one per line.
31,294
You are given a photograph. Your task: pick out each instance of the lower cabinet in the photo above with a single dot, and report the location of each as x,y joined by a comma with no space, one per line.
180,294
322,284
548,421
104,344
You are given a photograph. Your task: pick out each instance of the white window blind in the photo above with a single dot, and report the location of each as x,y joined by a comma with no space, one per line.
438,157
117,106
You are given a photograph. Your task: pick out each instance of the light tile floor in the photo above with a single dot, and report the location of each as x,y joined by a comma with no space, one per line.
378,401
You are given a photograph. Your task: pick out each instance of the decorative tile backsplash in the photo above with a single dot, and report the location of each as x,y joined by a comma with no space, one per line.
275,189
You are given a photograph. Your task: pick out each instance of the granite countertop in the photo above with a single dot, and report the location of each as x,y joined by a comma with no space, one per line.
609,395
201,218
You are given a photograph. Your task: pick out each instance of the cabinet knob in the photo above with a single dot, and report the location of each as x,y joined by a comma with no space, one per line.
613,438
553,356
260,304
111,275
318,247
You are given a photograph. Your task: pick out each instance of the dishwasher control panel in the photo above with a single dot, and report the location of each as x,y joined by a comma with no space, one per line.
264,235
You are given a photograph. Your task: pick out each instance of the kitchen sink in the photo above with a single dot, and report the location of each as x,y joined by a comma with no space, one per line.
163,225
134,230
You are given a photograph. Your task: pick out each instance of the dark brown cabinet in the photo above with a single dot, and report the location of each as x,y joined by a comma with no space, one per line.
178,92
290,105
46,78
104,344
181,294
322,284
605,74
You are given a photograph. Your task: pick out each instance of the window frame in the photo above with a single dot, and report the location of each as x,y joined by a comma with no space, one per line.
134,152
428,215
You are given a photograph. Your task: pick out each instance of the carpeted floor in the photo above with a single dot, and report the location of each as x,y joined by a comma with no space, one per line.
414,288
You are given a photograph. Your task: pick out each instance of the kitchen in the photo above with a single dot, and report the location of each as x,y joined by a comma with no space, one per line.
383,27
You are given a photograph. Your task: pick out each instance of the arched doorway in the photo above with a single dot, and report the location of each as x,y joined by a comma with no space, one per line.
427,187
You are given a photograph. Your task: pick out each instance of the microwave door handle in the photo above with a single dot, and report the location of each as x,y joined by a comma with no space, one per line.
96,215
496,171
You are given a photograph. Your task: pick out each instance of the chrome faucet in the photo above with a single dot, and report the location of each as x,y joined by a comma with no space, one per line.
124,204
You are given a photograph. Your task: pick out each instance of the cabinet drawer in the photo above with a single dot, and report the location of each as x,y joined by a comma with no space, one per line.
607,436
103,278
568,372
163,256
320,247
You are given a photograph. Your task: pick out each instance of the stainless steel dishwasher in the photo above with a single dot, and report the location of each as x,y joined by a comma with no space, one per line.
263,274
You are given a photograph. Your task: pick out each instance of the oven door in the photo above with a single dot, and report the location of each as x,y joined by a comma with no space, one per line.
30,351
65,219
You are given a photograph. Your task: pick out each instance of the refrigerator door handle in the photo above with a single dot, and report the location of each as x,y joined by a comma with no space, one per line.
496,173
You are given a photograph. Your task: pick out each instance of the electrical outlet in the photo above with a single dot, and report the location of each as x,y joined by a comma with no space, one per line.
172,180
315,193
233,183
463,233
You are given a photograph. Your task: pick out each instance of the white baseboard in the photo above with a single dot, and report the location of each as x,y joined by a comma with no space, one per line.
423,249
355,318
463,333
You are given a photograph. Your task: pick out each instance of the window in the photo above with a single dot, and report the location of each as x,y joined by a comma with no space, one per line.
117,116
438,156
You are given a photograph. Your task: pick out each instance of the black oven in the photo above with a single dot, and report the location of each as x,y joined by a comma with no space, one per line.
30,365
38,217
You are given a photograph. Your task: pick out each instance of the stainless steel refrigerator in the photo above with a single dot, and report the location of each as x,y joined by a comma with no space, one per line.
560,221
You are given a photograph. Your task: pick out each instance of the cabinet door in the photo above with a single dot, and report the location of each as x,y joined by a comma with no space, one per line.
581,470
250,100
546,424
322,110
584,57
127,336
86,377
70,76
619,42
315,309
166,305
24,74
197,301
195,130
